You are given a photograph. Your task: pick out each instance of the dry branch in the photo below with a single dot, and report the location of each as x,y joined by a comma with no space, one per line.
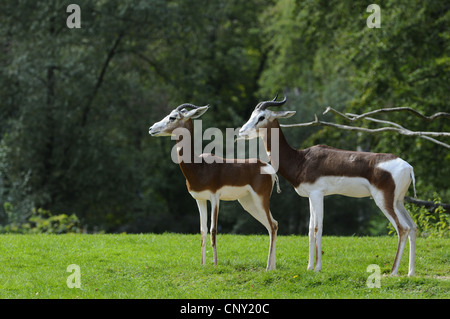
431,206
393,127
393,109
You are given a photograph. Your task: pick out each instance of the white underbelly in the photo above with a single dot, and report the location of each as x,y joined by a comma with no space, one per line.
340,185
225,193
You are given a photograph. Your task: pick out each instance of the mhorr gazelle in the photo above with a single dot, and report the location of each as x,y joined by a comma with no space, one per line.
322,170
213,178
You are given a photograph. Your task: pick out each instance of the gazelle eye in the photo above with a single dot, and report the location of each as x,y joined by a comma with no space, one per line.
261,118
171,119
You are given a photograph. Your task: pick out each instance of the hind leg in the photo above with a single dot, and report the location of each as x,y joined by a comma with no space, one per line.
386,205
402,236
254,205
412,235
403,179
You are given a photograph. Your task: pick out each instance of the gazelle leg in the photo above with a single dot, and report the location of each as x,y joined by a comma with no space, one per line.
312,240
202,208
272,259
402,235
214,215
386,204
411,235
316,206
259,210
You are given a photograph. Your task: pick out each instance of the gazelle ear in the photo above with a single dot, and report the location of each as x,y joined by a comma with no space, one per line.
283,114
193,114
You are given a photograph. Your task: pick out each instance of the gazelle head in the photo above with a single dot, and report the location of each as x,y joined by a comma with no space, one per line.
176,119
261,118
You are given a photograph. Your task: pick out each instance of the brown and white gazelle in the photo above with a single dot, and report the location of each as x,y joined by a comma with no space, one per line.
215,178
322,170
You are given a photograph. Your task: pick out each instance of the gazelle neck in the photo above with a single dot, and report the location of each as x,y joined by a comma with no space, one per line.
288,159
187,167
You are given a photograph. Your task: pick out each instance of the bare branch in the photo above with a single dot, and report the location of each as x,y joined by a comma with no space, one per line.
393,109
397,128
342,127
407,132
330,109
431,206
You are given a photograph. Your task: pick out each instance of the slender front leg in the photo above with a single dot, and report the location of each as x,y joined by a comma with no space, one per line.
312,240
202,208
214,214
316,205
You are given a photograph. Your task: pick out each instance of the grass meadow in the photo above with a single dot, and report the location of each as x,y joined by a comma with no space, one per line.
168,266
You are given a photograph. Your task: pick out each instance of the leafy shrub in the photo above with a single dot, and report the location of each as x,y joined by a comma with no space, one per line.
42,221
430,223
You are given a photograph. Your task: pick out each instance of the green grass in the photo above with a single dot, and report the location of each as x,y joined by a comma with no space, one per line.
168,266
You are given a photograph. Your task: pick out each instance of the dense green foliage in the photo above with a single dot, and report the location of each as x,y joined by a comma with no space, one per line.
168,266
430,222
76,104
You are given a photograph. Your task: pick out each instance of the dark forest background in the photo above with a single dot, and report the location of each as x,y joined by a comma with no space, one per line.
76,104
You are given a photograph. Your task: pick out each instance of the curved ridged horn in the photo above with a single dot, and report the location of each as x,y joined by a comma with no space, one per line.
182,106
274,102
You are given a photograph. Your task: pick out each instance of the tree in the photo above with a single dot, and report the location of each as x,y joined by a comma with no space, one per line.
77,103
